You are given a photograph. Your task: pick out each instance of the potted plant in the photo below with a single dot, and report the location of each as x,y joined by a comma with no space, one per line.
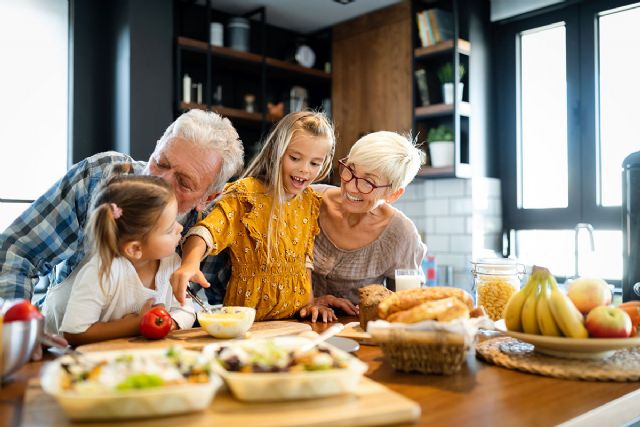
440,140
446,77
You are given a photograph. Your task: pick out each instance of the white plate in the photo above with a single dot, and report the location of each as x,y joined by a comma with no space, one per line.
573,348
344,344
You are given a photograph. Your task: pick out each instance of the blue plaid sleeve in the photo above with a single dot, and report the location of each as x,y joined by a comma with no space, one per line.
50,231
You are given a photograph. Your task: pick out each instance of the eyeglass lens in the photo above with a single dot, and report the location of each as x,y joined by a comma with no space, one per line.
362,185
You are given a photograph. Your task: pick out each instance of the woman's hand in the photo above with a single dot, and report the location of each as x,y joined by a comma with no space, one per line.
341,303
316,310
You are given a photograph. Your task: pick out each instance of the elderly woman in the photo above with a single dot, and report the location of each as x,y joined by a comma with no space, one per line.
363,239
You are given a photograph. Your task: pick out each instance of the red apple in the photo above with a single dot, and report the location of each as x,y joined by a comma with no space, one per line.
608,322
588,293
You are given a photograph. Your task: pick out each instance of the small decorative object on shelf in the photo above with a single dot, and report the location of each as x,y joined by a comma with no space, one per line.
198,88
305,56
446,77
216,34
217,95
249,100
276,111
239,34
423,89
440,140
186,88
298,99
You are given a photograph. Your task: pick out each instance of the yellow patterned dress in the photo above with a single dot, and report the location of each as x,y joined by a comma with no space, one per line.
239,221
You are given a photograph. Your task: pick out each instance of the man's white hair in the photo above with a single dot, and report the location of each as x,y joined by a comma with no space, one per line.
211,131
395,157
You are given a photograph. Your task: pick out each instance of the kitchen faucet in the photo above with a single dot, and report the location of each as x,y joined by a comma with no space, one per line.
589,228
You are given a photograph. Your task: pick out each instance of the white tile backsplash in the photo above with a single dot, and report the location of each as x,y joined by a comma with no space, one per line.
461,206
436,207
438,243
449,225
449,187
461,219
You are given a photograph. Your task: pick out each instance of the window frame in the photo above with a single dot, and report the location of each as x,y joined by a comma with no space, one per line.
582,128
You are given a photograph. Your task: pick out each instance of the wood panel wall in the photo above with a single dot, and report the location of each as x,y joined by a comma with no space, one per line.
371,88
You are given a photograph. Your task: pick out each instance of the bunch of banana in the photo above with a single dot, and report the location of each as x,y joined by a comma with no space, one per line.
540,308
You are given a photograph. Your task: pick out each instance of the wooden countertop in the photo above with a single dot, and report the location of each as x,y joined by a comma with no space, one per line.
481,394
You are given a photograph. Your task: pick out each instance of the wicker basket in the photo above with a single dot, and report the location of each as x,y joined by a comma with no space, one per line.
429,352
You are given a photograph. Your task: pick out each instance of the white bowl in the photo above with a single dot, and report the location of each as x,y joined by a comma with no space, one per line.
227,322
19,339
151,402
272,386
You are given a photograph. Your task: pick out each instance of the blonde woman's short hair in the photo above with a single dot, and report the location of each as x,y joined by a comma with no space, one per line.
395,157
211,131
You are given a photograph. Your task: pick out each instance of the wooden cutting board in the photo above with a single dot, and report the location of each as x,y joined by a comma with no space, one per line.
197,338
371,404
355,332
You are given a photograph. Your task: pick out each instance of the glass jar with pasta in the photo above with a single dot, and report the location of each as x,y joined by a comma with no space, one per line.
495,281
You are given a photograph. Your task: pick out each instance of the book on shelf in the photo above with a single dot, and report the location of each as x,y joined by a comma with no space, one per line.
423,89
434,26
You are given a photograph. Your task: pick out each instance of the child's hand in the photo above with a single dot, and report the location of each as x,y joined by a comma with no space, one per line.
182,276
341,303
148,305
316,310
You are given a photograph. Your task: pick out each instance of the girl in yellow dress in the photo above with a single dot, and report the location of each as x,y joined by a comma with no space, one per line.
268,219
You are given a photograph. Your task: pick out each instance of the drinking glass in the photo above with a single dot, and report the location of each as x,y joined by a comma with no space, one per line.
408,278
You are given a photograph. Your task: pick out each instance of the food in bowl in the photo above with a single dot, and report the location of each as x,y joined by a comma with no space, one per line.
227,322
274,369
130,384
268,356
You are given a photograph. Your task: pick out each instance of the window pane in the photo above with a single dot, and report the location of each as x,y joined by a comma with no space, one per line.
554,249
619,38
9,212
543,119
33,104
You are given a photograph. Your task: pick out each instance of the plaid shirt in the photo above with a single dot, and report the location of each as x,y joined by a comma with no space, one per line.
48,238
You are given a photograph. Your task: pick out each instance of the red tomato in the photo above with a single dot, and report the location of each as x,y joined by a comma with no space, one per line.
156,323
22,310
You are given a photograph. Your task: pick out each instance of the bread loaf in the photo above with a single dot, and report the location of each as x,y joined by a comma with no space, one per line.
409,298
370,297
441,310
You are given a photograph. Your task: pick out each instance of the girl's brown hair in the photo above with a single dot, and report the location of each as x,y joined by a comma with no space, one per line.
136,200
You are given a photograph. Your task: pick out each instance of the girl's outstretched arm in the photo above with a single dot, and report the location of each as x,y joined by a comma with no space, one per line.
193,250
128,326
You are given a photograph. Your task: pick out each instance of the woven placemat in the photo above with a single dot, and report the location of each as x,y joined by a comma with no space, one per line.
623,365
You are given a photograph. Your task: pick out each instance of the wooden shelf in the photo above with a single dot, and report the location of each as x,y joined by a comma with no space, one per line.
462,170
436,110
229,112
193,44
298,69
225,52
464,47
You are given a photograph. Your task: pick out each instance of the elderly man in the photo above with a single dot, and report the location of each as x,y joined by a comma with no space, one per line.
197,155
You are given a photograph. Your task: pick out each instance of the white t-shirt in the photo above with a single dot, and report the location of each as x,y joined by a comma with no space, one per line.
79,301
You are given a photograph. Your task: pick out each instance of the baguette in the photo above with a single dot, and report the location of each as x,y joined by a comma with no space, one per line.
409,298
441,310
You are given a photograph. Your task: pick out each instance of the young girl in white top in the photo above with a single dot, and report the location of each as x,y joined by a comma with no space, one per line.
134,233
